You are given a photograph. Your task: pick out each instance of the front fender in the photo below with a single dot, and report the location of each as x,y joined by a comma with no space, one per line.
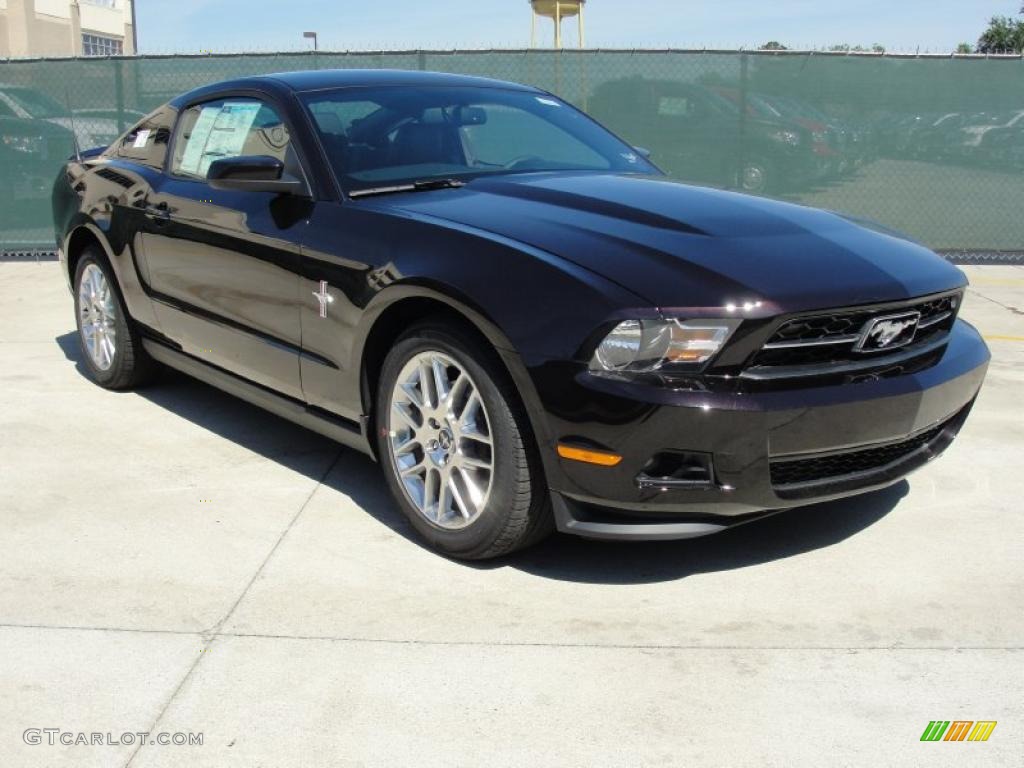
532,307
472,313
543,305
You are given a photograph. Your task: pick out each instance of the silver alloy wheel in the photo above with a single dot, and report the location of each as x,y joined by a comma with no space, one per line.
440,439
753,178
96,307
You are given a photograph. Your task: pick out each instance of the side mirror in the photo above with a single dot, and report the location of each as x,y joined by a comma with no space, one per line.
644,152
255,173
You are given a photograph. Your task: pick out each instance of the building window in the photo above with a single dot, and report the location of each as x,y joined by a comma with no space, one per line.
98,45
102,3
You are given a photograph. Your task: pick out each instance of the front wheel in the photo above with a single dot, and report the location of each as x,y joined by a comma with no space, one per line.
456,446
757,176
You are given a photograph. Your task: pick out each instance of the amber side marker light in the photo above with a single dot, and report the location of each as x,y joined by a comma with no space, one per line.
588,457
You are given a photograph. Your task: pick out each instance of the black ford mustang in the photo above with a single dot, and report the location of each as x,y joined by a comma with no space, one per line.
514,311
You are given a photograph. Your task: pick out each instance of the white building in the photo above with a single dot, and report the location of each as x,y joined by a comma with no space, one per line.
66,28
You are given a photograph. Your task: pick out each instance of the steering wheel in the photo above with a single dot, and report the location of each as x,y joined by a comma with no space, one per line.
515,161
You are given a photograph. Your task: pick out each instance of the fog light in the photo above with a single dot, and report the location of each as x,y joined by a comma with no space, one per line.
677,470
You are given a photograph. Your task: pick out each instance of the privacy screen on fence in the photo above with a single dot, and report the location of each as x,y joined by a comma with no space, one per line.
931,146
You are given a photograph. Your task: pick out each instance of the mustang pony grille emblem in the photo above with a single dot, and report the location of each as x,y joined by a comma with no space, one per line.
323,297
888,332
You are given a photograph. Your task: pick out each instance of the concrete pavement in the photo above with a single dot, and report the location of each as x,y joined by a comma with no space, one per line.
175,560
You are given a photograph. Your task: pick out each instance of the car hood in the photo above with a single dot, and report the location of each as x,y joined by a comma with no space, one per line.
677,245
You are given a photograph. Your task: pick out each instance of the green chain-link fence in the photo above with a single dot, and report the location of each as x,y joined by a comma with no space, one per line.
931,146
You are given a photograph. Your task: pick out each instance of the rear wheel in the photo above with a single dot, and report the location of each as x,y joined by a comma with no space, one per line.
456,446
110,343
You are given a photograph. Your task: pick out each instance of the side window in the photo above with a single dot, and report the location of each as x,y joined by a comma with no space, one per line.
675,106
227,128
147,142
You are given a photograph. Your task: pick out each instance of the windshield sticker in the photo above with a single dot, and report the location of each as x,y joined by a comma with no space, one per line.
141,138
629,157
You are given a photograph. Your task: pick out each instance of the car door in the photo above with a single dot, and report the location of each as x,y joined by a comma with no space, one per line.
223,263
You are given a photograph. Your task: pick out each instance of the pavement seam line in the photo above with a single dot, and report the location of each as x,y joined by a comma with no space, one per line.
622,646
83,628
998,303
529,644
210,636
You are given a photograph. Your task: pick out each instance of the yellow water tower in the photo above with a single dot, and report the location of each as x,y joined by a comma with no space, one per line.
556,10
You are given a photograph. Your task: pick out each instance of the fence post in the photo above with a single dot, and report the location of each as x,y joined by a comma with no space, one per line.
119,94
741,155
137,85
421,60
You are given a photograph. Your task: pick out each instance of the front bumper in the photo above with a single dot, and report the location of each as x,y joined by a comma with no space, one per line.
904,421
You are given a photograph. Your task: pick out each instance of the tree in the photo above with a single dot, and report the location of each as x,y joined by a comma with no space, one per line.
964,48
1004,35
774,45
847,48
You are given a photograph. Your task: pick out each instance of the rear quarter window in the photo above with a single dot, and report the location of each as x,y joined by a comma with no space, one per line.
146,143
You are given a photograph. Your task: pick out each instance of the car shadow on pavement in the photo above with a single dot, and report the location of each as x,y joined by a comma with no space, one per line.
786,534
561,557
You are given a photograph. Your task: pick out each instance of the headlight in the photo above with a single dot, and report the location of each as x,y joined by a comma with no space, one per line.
27,144
646,346
787,137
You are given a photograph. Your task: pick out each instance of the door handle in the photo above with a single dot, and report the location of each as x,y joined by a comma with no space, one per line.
160,213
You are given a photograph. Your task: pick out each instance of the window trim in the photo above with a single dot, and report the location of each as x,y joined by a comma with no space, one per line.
99,36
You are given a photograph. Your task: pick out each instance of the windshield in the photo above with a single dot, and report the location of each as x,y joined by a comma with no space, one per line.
399,134
36,104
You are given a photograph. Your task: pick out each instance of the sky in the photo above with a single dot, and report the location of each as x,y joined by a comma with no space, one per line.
227,26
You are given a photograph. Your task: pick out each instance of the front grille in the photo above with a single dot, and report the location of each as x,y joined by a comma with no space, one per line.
826,343
792,471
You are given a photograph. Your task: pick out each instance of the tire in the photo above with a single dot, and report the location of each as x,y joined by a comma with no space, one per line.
757,177
478,513
111,348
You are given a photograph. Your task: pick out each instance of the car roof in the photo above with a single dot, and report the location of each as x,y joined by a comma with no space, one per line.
319,79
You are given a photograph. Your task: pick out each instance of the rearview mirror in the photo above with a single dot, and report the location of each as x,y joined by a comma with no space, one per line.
644,152
255,173
464,116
